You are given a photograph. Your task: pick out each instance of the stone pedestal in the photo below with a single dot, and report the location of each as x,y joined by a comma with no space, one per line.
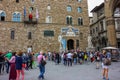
90,49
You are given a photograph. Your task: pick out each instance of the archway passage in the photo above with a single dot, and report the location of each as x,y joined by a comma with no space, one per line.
70,44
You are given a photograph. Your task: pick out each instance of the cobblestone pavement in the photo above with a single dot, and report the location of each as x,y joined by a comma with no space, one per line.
76,72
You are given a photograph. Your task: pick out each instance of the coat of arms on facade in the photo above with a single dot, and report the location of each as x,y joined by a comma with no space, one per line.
70,31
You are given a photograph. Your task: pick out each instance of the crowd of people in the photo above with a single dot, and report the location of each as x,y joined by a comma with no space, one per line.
20,61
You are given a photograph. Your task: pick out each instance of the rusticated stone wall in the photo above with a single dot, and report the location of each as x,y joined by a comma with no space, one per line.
38,42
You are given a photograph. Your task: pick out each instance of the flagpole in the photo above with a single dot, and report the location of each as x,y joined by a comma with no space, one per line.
37,14
24,12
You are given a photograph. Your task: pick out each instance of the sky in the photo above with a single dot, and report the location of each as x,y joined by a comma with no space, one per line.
92,4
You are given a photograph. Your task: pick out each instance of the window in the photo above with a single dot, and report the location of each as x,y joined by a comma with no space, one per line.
12,34
96,29
69,20
79,9
2,16
17,1
48,19
93,30
69,8
79,0
100,12
31,9
29,35
117,24
81,35
16,17
80,21
48,7
48,33
101,25
77,43
32,1
117,12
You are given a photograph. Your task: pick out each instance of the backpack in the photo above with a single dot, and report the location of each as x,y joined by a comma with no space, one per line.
107,62
43,62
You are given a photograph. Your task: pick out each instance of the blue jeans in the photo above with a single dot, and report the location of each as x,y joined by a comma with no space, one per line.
75,60
42,71
7,67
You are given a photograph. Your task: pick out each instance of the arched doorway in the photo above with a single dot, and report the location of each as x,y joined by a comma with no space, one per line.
70,44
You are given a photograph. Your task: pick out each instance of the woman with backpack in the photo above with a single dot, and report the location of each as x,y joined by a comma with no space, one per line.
105,66
40,59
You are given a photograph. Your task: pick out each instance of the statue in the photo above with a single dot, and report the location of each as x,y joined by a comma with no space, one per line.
60,40
90,45
90,42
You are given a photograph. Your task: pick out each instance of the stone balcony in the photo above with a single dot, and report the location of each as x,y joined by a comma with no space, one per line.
33,21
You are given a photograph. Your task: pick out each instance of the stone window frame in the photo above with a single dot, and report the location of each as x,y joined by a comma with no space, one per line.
2,15
69,8
69,20
49,19
79,10
80,21
16,17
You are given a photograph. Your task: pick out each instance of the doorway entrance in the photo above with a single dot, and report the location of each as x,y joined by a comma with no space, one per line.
70,44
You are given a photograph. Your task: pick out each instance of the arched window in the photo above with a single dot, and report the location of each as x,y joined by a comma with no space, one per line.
69,8
79,9
16,17
80,21
48,19
69,20
2,16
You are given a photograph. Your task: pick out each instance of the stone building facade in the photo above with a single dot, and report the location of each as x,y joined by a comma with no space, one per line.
105,25
50,18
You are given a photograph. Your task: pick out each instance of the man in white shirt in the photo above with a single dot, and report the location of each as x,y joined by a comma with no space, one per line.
69,58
